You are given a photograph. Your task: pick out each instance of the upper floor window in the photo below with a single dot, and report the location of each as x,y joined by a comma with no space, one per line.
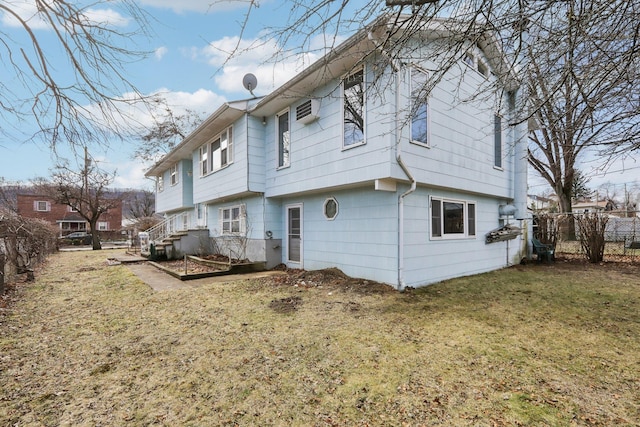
42,206
217,154
160,183
284,139
232,220
419,107
451,219
173,172
475,62
103,225
497,141
353,108
72,209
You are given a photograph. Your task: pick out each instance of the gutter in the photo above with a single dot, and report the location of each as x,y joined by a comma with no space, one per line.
397,66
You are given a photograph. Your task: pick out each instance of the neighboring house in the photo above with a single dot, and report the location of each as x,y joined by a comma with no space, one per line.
63,216
591,206
542,204
330,170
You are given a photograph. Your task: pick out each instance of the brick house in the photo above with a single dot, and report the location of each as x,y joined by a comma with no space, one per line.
63,216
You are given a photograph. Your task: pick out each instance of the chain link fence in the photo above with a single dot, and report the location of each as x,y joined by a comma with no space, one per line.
621,235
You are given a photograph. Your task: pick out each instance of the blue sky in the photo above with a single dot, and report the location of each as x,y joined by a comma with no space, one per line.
188,48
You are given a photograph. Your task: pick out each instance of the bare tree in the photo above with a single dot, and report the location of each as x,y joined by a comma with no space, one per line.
141,204
167,130
578,63
580,91
86,190
38,44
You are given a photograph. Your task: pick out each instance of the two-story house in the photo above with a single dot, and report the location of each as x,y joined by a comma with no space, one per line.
64,217
359,164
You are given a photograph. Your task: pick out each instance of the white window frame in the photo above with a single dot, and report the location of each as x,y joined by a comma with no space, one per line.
42,206
216,154
283,141
233,220
345,79
324,208
204,160
160,183
415,94
477,64
497,142
103,225
437,224
173,174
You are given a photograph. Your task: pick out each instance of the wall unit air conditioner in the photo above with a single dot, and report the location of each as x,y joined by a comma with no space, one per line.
308,111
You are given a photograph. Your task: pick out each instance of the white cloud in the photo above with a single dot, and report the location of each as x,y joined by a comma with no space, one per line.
161,52
234,57
202,6
106,17
28,11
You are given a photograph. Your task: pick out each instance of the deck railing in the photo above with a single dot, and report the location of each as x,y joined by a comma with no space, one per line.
171,225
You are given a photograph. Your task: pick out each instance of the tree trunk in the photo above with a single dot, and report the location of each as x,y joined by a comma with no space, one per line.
95,236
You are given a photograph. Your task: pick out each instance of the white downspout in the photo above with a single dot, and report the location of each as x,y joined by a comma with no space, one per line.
397,68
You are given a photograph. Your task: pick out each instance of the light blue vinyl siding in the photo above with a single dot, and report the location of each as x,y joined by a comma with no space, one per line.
318,160
429,261
461,153
231,179
361,240
179,196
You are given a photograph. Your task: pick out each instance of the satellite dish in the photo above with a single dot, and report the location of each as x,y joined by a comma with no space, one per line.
249,81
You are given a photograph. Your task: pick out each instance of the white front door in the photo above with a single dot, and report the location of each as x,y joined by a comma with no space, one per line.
201,215
294,234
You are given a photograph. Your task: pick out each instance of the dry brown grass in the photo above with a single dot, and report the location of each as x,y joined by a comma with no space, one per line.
90,344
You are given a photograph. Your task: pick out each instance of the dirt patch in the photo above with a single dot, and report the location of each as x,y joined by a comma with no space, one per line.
332,278
285,305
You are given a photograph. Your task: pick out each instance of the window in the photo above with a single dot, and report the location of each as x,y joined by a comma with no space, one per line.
217,154
204,160
160,183
173,171
468,59
103,226
419,108
330,208
232,220
452,219
353,105
71,209
284,139
497,141
42,206
482,69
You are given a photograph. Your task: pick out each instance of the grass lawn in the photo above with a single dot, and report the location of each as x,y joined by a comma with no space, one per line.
535,345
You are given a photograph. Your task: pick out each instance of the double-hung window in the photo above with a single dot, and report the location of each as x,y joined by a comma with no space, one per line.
419,107
232,220
217,154
160,183
497,141
41,206
284,139
173,172
452,219
353,109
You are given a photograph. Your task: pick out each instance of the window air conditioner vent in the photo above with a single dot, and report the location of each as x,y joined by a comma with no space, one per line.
307,111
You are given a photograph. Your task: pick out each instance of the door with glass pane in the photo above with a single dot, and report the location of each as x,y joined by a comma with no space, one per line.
294,234
201,214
